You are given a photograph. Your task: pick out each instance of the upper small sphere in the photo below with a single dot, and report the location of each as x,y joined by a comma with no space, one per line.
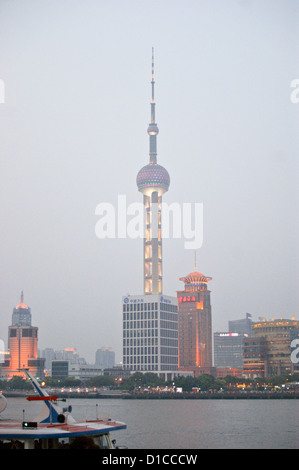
153,177
153,129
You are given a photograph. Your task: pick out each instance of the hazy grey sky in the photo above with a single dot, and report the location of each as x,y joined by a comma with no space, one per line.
73,134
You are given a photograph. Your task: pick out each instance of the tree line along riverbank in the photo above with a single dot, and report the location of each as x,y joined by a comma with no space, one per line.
148,385
244,395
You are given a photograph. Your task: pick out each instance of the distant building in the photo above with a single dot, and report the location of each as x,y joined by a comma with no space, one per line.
228,350
62,369
241,326
22,344
195,324
105,358
67,354
49,355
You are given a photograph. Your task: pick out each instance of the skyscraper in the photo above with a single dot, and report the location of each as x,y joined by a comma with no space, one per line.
195,324
150,336
22,343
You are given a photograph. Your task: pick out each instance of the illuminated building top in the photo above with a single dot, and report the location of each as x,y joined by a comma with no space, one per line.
195,281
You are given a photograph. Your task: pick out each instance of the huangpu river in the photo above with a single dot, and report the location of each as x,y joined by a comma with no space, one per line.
186,424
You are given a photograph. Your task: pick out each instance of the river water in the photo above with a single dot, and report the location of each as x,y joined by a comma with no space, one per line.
187,424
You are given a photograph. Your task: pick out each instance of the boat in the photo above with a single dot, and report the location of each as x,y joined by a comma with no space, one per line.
55,427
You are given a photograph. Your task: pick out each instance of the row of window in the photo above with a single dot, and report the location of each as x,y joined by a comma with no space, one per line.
25,333
151,332
166,361
169,316
147,306
168,307
140,315
140,333
168,333
134,307
150,341
140,359
170,325
150,315
142,324
169,360
141,367
142,351
141,342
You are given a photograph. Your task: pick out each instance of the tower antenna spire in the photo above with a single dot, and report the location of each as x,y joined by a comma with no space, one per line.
195,264
153,66
153,128
153,88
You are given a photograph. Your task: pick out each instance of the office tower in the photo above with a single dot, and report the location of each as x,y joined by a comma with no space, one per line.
105,358
150,337
195,323
150,334
22,343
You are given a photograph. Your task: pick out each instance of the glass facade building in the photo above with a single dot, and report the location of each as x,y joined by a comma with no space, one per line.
228,349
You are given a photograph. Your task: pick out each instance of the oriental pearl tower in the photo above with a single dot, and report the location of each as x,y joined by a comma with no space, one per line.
153,181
